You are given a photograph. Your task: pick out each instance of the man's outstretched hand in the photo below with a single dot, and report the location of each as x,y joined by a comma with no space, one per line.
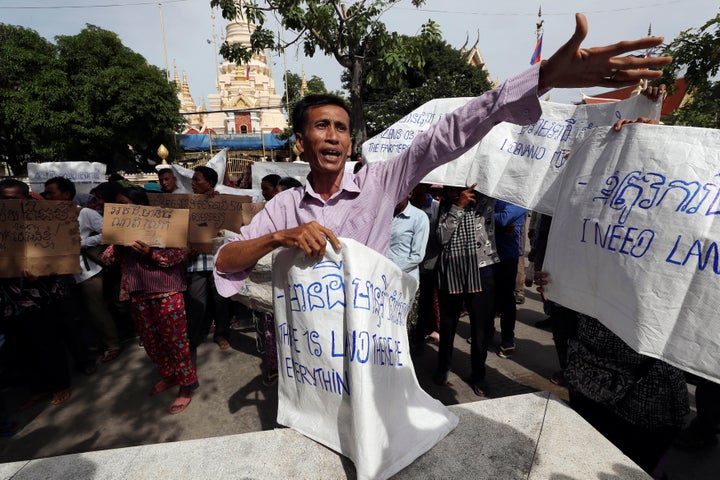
575,67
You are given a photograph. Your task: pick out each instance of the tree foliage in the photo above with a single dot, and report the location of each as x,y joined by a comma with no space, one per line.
88,97
696,52
353,35
294,83
444,74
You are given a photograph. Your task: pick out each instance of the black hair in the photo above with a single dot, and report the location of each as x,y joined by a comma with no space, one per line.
299,113
272,179
12,182
209,174
115,177
63,184
137,195
289,182
107,191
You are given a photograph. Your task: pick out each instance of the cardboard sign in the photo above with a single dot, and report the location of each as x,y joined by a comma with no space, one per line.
518,164
346,376
634,240
249,210
208,215
156,226
42,237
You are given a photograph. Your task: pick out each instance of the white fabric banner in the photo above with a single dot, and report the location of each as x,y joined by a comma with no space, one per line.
518,164
634,240
298,170
85,175
218,163
346,377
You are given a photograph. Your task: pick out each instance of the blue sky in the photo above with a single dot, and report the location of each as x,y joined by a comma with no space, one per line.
506,30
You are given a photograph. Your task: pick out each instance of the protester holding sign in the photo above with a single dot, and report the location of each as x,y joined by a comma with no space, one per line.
637,402
465,276
153,280
360,206
29,305
203,303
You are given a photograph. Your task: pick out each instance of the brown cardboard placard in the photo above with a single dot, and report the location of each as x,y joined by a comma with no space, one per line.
40,236
155,226
208,215
250,210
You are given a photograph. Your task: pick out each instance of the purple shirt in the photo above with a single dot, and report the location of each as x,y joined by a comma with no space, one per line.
363,207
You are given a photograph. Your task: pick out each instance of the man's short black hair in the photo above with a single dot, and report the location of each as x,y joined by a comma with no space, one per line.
12,182
107,191
299,113
272,179
63,184
209,174
289,182
137,195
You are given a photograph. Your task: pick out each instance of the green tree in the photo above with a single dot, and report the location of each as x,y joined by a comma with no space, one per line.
118,100
294,82
697,53
88,97
33,100
353,35
444,74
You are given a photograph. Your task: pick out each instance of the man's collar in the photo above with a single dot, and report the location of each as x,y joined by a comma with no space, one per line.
346,184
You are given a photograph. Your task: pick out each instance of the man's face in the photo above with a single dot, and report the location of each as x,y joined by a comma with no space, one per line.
167,181
326,140
12,193
400,207
199,184
52,192
268,191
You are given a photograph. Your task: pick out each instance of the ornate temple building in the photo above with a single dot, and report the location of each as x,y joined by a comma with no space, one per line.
246,101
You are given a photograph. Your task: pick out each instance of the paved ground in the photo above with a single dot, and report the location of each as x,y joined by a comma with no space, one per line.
111,408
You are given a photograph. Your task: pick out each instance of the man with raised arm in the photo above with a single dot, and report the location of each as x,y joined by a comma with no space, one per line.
360,206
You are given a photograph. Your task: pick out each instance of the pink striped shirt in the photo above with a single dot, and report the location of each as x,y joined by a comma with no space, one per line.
156,276
363,207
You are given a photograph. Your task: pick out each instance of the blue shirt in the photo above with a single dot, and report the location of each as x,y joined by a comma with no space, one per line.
408,239
506,214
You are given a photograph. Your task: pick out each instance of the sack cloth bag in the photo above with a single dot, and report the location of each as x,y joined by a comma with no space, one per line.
346,377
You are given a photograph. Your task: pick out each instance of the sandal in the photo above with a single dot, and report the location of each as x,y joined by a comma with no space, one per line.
182,401
480,391
110,354
222,343
270,379
162,385
61,396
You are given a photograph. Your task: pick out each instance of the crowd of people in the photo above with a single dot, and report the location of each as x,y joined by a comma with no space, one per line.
465,248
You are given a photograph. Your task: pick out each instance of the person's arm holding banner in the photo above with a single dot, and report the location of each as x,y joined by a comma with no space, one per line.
654,94
323,135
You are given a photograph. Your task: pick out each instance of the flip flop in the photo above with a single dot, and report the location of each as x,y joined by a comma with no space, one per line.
162,385
182,401
270,379
109,355
61,396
